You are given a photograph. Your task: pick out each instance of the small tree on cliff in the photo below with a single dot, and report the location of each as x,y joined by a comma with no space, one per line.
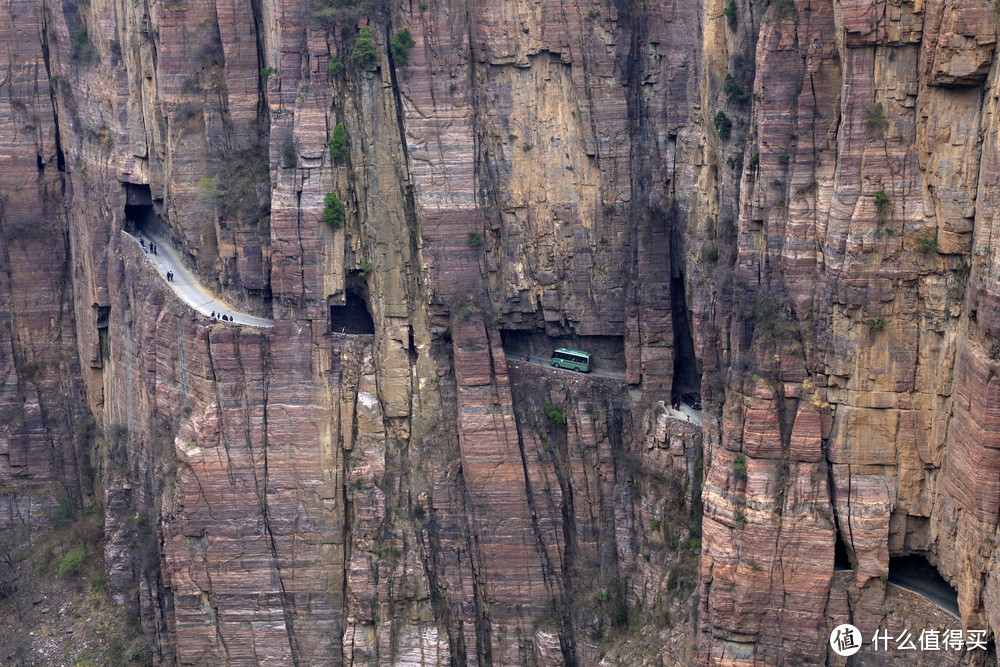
364,54
875,117
333,214
723,125
882,204
338,145
400,46
83,50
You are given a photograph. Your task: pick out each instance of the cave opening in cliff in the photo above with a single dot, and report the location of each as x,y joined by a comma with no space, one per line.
914,572
139,213
841,559
351,317
608,352
687,378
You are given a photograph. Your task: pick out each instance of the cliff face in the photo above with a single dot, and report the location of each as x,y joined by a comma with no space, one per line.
851,398
786,206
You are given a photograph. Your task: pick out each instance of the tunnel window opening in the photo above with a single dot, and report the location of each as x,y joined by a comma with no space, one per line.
841,559
686,375
412,348
139,213
140,216
105,343
915,573
607,353
102,315
352,317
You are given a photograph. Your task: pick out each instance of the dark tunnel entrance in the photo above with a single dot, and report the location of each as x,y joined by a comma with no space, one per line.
841,560
608,351
686,375
915,573
352,317
139,213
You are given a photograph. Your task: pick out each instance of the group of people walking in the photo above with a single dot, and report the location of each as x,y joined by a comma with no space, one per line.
151,248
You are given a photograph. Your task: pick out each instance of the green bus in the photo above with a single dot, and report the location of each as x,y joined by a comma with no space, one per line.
572,359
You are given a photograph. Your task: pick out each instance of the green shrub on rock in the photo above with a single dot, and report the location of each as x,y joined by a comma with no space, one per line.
333,214
723,125
72,562
400,46
338,145
364,54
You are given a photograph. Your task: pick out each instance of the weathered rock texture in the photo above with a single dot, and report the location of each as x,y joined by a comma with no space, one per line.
852,326
558,169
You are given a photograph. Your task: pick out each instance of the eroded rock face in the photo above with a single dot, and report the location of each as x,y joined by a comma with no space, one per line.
45,429
863,190
413,496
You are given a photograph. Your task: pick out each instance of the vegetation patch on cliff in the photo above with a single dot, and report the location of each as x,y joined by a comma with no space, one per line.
338,144
83,50
241,186
364,54
400,46
54,584
333,213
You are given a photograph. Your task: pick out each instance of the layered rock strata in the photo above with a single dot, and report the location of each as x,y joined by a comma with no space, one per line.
410,496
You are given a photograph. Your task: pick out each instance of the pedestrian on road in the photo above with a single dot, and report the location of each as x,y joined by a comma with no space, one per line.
528,358
142,242
343,330
154,248
213,313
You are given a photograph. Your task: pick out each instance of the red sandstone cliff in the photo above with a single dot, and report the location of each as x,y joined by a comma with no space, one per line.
527,175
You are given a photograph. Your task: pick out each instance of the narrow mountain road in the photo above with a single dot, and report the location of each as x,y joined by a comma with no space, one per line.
545,363
924,580
684,413
186,286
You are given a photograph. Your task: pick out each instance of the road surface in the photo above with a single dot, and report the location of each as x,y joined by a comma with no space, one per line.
917,575
186,286
685,413
544,362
